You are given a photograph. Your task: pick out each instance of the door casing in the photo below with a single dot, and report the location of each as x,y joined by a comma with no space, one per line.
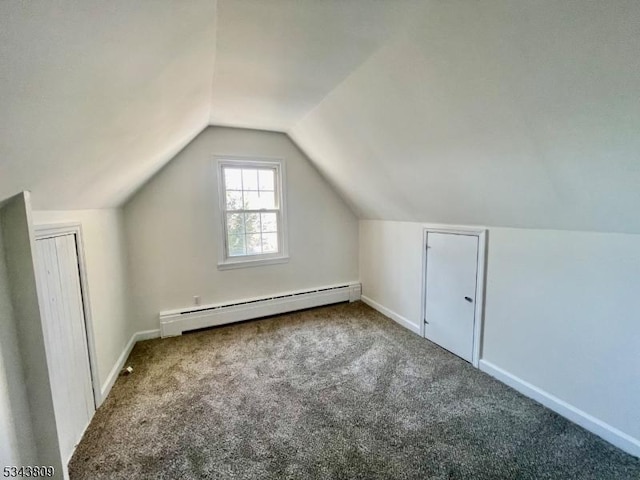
481,233
55,230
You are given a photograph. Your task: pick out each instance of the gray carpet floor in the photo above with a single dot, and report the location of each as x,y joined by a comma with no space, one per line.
339,392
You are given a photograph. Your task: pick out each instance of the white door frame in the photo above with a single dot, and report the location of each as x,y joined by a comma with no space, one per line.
478,322
57,230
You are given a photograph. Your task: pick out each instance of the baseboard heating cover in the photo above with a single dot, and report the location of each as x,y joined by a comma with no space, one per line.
176,322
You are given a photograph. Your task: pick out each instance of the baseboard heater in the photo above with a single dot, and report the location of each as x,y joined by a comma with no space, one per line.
176,322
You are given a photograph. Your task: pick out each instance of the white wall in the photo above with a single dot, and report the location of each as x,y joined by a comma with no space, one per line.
173,229
562,313
561,310
17,445
105,256
391,268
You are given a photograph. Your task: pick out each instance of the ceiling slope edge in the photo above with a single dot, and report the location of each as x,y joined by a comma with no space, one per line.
489,135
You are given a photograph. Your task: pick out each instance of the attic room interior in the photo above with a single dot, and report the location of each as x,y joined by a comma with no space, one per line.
320,239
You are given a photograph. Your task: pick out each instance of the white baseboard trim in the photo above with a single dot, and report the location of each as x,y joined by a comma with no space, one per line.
391,314
119,365
115,371
147,334
176,322
603,430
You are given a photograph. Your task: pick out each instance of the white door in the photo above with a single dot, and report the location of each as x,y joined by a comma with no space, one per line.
65,338
451,271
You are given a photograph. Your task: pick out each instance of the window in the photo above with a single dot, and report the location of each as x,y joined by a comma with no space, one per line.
252,207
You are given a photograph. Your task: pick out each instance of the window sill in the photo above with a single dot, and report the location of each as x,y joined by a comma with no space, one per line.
258,262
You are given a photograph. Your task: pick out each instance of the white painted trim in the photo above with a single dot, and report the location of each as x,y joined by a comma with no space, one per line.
480,297
282,256
66,463
481,233
122,359
175,322
391,314
177,311
147,335
594,425
252,262
75,228
117,367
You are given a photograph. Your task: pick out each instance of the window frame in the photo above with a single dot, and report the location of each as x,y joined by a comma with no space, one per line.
226,262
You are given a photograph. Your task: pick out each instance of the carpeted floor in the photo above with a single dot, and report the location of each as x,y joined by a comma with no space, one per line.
337,392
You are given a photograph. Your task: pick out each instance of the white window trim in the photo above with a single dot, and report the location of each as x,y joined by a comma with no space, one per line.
227,263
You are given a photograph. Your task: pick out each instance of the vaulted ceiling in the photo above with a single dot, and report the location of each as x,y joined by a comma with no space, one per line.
96,96
503,113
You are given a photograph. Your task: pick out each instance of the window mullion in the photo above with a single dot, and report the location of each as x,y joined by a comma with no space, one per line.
242,186
279,228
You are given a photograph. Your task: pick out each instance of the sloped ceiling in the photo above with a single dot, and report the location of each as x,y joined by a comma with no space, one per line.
276,60
503,113
97,95
522,114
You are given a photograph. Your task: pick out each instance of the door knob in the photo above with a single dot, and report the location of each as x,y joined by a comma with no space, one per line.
468,299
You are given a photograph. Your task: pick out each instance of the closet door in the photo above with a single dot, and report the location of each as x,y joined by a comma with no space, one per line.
451,280
65,338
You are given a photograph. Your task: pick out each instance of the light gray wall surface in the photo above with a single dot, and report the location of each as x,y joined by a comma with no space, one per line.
17,445
562,313
173,228
560,310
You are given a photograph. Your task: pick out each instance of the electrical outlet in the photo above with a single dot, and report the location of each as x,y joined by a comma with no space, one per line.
196,300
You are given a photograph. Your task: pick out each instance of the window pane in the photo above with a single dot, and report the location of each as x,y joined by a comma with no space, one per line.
252,200
254,244
233,178
236,245
249,179
259,200
252,222
265,179
234,200
269,222
235,224
267,200
269,242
